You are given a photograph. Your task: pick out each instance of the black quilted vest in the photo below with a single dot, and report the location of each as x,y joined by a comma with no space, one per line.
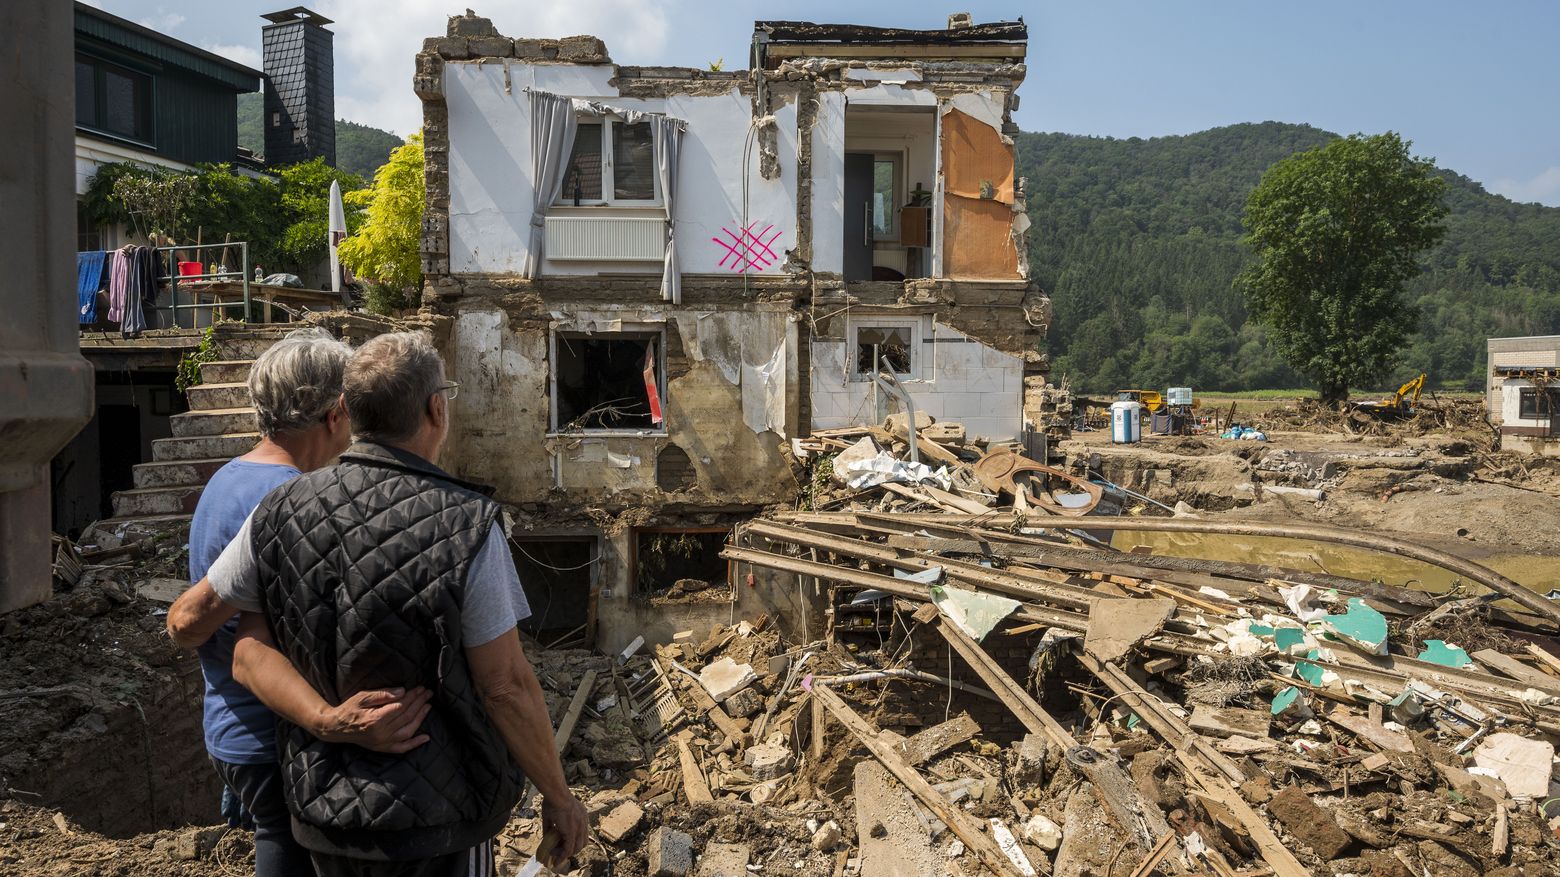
363,566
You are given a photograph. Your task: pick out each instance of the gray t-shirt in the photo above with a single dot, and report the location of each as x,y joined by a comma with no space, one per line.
494,603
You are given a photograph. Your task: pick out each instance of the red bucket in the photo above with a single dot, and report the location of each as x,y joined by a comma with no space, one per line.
190,269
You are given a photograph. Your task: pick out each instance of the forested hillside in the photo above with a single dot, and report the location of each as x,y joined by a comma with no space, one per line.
1138,243
359,148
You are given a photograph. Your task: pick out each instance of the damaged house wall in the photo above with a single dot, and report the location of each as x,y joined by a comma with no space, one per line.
598,403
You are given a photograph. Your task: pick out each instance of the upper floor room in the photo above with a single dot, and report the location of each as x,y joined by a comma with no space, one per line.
849,152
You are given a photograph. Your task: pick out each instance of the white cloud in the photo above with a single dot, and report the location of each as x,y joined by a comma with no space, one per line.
376,41
249,56
161,21
1543,188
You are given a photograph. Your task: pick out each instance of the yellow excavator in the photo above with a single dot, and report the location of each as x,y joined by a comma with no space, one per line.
1403,403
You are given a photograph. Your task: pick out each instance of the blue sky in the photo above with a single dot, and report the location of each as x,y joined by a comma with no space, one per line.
1475,85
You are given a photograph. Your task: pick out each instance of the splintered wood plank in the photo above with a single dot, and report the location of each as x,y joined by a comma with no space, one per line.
977,841
694,786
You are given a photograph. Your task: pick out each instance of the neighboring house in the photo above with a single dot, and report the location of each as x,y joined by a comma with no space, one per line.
144,97
1524,392
647,280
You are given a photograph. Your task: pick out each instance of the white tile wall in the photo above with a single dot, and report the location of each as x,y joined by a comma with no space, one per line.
966,382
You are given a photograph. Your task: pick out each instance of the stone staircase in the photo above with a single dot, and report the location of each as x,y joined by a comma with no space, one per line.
219,426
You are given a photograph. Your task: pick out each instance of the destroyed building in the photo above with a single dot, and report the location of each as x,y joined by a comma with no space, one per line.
649,280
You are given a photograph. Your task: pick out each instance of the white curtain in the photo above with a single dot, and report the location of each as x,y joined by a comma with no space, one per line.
666,135
552,140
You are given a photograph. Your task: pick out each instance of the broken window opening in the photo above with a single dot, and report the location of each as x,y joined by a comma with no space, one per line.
681,564
608,381
877,345
611,163
556,573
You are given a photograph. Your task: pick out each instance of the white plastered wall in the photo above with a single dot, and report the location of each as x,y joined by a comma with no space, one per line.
954,378
490,170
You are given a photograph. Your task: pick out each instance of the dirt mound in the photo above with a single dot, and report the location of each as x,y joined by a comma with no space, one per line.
94,696
37,842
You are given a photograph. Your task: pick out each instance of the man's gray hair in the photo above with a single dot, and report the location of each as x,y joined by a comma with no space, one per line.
388,384
297,381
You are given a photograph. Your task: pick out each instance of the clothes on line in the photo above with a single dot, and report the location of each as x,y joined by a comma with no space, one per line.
132,288
89,279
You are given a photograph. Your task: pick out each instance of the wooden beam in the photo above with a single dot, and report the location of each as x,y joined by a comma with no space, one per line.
1550,661
1509,666
1387,673
694,786
565,732
1207,768
989,854
1013,695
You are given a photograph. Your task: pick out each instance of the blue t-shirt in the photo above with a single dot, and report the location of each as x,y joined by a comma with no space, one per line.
239,728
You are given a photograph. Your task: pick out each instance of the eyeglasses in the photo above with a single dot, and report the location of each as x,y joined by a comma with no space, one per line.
450,387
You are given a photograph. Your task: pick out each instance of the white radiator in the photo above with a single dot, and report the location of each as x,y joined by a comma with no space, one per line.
606,238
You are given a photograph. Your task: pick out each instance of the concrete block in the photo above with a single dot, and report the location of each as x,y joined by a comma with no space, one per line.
724,860
767,762
492,47
726,677
985,380
583,49
744,703
470,26
621,822
669,853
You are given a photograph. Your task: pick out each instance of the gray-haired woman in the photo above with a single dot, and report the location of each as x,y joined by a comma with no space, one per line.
295,387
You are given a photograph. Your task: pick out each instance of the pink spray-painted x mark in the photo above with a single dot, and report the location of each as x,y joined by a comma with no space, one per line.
747,248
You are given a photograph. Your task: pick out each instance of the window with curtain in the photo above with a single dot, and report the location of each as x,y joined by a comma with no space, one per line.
612,163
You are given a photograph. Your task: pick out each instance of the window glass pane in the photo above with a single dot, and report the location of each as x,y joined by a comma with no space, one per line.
121,103
885,209
86,91
633,162
877,343
582,180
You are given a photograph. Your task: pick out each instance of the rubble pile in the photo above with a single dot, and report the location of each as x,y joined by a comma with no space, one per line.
1218,721
936,465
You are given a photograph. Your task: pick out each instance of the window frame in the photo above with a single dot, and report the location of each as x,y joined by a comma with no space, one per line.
1528,399
628,331
853,342
897,196
609,125
146,92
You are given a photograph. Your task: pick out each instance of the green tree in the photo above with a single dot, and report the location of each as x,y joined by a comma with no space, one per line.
1337,232
384,250
305,209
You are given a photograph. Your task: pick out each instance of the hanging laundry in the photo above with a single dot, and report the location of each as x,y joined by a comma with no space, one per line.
134,320
118,278
89,279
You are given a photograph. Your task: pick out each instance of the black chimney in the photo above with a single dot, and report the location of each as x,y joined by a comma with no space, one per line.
300,87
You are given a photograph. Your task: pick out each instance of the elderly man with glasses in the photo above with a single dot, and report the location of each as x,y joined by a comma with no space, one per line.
295,387
387,572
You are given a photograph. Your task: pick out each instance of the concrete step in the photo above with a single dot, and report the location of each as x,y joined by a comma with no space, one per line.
204,447
231,349
177,473
212,397
216,421
226,371
156,501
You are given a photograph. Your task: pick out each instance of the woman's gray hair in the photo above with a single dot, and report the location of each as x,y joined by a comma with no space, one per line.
297,381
